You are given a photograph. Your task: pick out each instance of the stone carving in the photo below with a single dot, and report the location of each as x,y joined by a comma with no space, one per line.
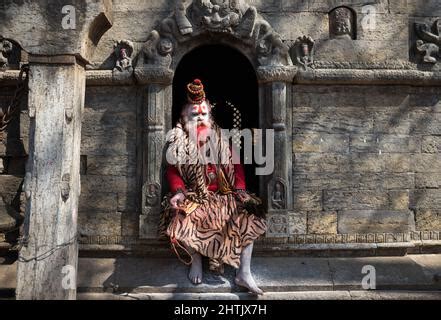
158,50
278,201
298,239
304,51
277,225
123,51
184,25
342,23
429,41
234,17
152,195
5,50
65,186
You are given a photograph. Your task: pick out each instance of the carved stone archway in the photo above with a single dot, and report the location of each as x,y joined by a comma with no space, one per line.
236,24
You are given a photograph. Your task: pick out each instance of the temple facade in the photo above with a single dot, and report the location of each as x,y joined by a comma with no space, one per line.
89,89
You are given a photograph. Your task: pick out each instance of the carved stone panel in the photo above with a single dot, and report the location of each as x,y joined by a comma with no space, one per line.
303,50
342,23
278,226
278,194
5,50
223,17
429,41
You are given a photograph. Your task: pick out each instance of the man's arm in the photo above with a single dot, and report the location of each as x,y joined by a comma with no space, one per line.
174,179
239,177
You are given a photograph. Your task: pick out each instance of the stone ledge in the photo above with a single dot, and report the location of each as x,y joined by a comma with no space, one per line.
368,77
285,250
313,76
273,274
109,78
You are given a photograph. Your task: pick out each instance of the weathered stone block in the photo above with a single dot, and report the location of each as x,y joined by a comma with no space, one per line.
308,181
128,202
111,165
384,143
372,221
320,162
424,8
344,50
113,184
321,143
397,163
365,162
292,25
10,184
425,100
322,222
426,199
332,120
428,124
297,223
388,28
428,180
431,144
361,199
428,220
399,199
98,201
426,162
99,223
308,200
398,122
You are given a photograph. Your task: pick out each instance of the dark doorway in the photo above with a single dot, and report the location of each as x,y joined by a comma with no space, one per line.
228,77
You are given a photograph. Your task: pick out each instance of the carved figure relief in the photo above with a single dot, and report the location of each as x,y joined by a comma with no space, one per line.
158,50
123,51
278,196
304,51
277,225
342,23
234,17
152,194
429,41
5,50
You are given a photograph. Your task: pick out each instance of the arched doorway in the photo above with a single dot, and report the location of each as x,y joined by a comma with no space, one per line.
228,77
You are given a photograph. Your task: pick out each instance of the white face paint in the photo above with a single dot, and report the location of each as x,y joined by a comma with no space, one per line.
197,114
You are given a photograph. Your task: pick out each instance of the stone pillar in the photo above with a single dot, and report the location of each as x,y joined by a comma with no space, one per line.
276,114
48,259
157,103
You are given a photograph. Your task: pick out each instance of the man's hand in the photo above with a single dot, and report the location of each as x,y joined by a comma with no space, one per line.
242,196
177,200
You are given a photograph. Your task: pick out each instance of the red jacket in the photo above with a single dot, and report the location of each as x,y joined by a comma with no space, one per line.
175,181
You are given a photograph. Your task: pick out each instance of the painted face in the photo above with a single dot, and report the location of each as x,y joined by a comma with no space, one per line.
198,114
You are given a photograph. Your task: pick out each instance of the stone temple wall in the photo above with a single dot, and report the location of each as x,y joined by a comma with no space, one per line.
366,128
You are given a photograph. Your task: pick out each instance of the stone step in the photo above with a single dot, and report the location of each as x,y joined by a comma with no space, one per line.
275,274
278,275
298,295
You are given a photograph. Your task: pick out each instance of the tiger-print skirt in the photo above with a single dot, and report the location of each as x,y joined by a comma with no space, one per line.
218,230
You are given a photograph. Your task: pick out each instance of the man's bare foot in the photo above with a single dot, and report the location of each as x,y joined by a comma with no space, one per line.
246,280
195,273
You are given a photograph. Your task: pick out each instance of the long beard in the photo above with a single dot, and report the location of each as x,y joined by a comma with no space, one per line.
197,128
